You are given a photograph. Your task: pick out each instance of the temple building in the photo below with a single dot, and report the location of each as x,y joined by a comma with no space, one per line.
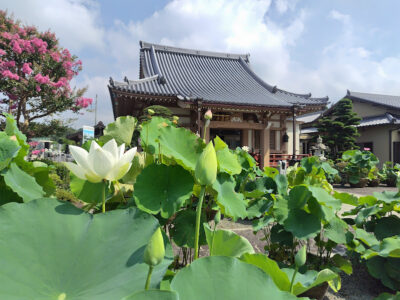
246,110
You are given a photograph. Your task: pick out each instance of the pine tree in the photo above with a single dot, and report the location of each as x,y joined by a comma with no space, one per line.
338,130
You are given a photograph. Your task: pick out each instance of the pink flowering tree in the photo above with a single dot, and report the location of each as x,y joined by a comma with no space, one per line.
35,74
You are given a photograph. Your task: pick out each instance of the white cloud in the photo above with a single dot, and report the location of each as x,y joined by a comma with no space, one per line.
74,22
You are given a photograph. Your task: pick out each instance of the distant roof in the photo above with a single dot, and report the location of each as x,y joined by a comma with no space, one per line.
386,118
208,76
311,117
386,100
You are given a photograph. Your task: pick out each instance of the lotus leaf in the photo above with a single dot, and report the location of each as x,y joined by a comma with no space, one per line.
153,295
232,203
8,150
226,243
227,160
121,130
161,188
183,230
182,145
22,183
220,277
53,250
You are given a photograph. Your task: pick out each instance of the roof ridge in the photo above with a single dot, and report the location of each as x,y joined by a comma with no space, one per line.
349,93
147,45
307,95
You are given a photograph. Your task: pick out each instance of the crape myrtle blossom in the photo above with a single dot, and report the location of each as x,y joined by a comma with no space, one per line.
101,163
37,71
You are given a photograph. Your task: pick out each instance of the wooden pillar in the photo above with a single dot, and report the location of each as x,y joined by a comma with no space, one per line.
264,144
245,137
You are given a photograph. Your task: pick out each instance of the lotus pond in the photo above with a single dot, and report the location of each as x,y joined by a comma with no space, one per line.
127,210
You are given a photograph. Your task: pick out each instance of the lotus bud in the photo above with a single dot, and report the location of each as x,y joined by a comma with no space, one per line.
301,256
206,167
155,251
208,115
150,112
175,118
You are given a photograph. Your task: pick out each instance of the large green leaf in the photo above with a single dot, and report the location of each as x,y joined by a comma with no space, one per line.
336,230
161,188
22,183
387,296
121,129
387,196
182,145
259,187
270,267
41,173
153,295
289,211
8,150
226,243
12,130
232,203
86,191
346,198
150,133
377,267
310,279
183,230
324,198
227,160
53,250
387,227
219,277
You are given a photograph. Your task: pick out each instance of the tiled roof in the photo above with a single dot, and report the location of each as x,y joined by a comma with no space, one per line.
379,120
308,118
207,76
386,100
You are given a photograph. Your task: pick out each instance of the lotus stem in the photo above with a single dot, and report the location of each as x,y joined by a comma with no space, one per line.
292,282
207,123
198,217
146,287
103,196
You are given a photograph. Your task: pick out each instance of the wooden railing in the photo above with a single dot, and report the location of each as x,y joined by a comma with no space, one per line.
276,157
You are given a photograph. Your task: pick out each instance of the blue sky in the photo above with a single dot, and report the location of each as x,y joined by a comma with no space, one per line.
323,47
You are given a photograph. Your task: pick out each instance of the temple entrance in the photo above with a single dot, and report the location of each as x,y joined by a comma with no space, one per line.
230,136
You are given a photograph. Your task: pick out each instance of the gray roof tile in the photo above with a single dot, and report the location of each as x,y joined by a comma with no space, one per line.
209,76
386,100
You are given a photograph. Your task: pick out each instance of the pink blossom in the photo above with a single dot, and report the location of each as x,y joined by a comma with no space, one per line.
83,102
40,45
9,64
26,68
61,82
2,52
27,46
9,74
55,56
7,35
16,48
42,79
33,144
38,89
35,152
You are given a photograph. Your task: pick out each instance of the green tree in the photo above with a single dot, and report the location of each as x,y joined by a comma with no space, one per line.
338,129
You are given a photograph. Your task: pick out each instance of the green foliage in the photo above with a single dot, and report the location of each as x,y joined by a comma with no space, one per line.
219,277
53,129
164,189
75,253
226,243
359,164
153,294
121,130
339,129
282,277
159,111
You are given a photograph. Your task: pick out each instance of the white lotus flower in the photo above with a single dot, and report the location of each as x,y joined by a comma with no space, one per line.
108,162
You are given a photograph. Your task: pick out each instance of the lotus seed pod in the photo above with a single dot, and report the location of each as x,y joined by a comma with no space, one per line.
301,256
155,251
206,167
150,112
208,115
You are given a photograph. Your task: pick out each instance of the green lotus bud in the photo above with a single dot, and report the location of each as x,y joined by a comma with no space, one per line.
175,118
155,251
206,167
150,112
301,256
